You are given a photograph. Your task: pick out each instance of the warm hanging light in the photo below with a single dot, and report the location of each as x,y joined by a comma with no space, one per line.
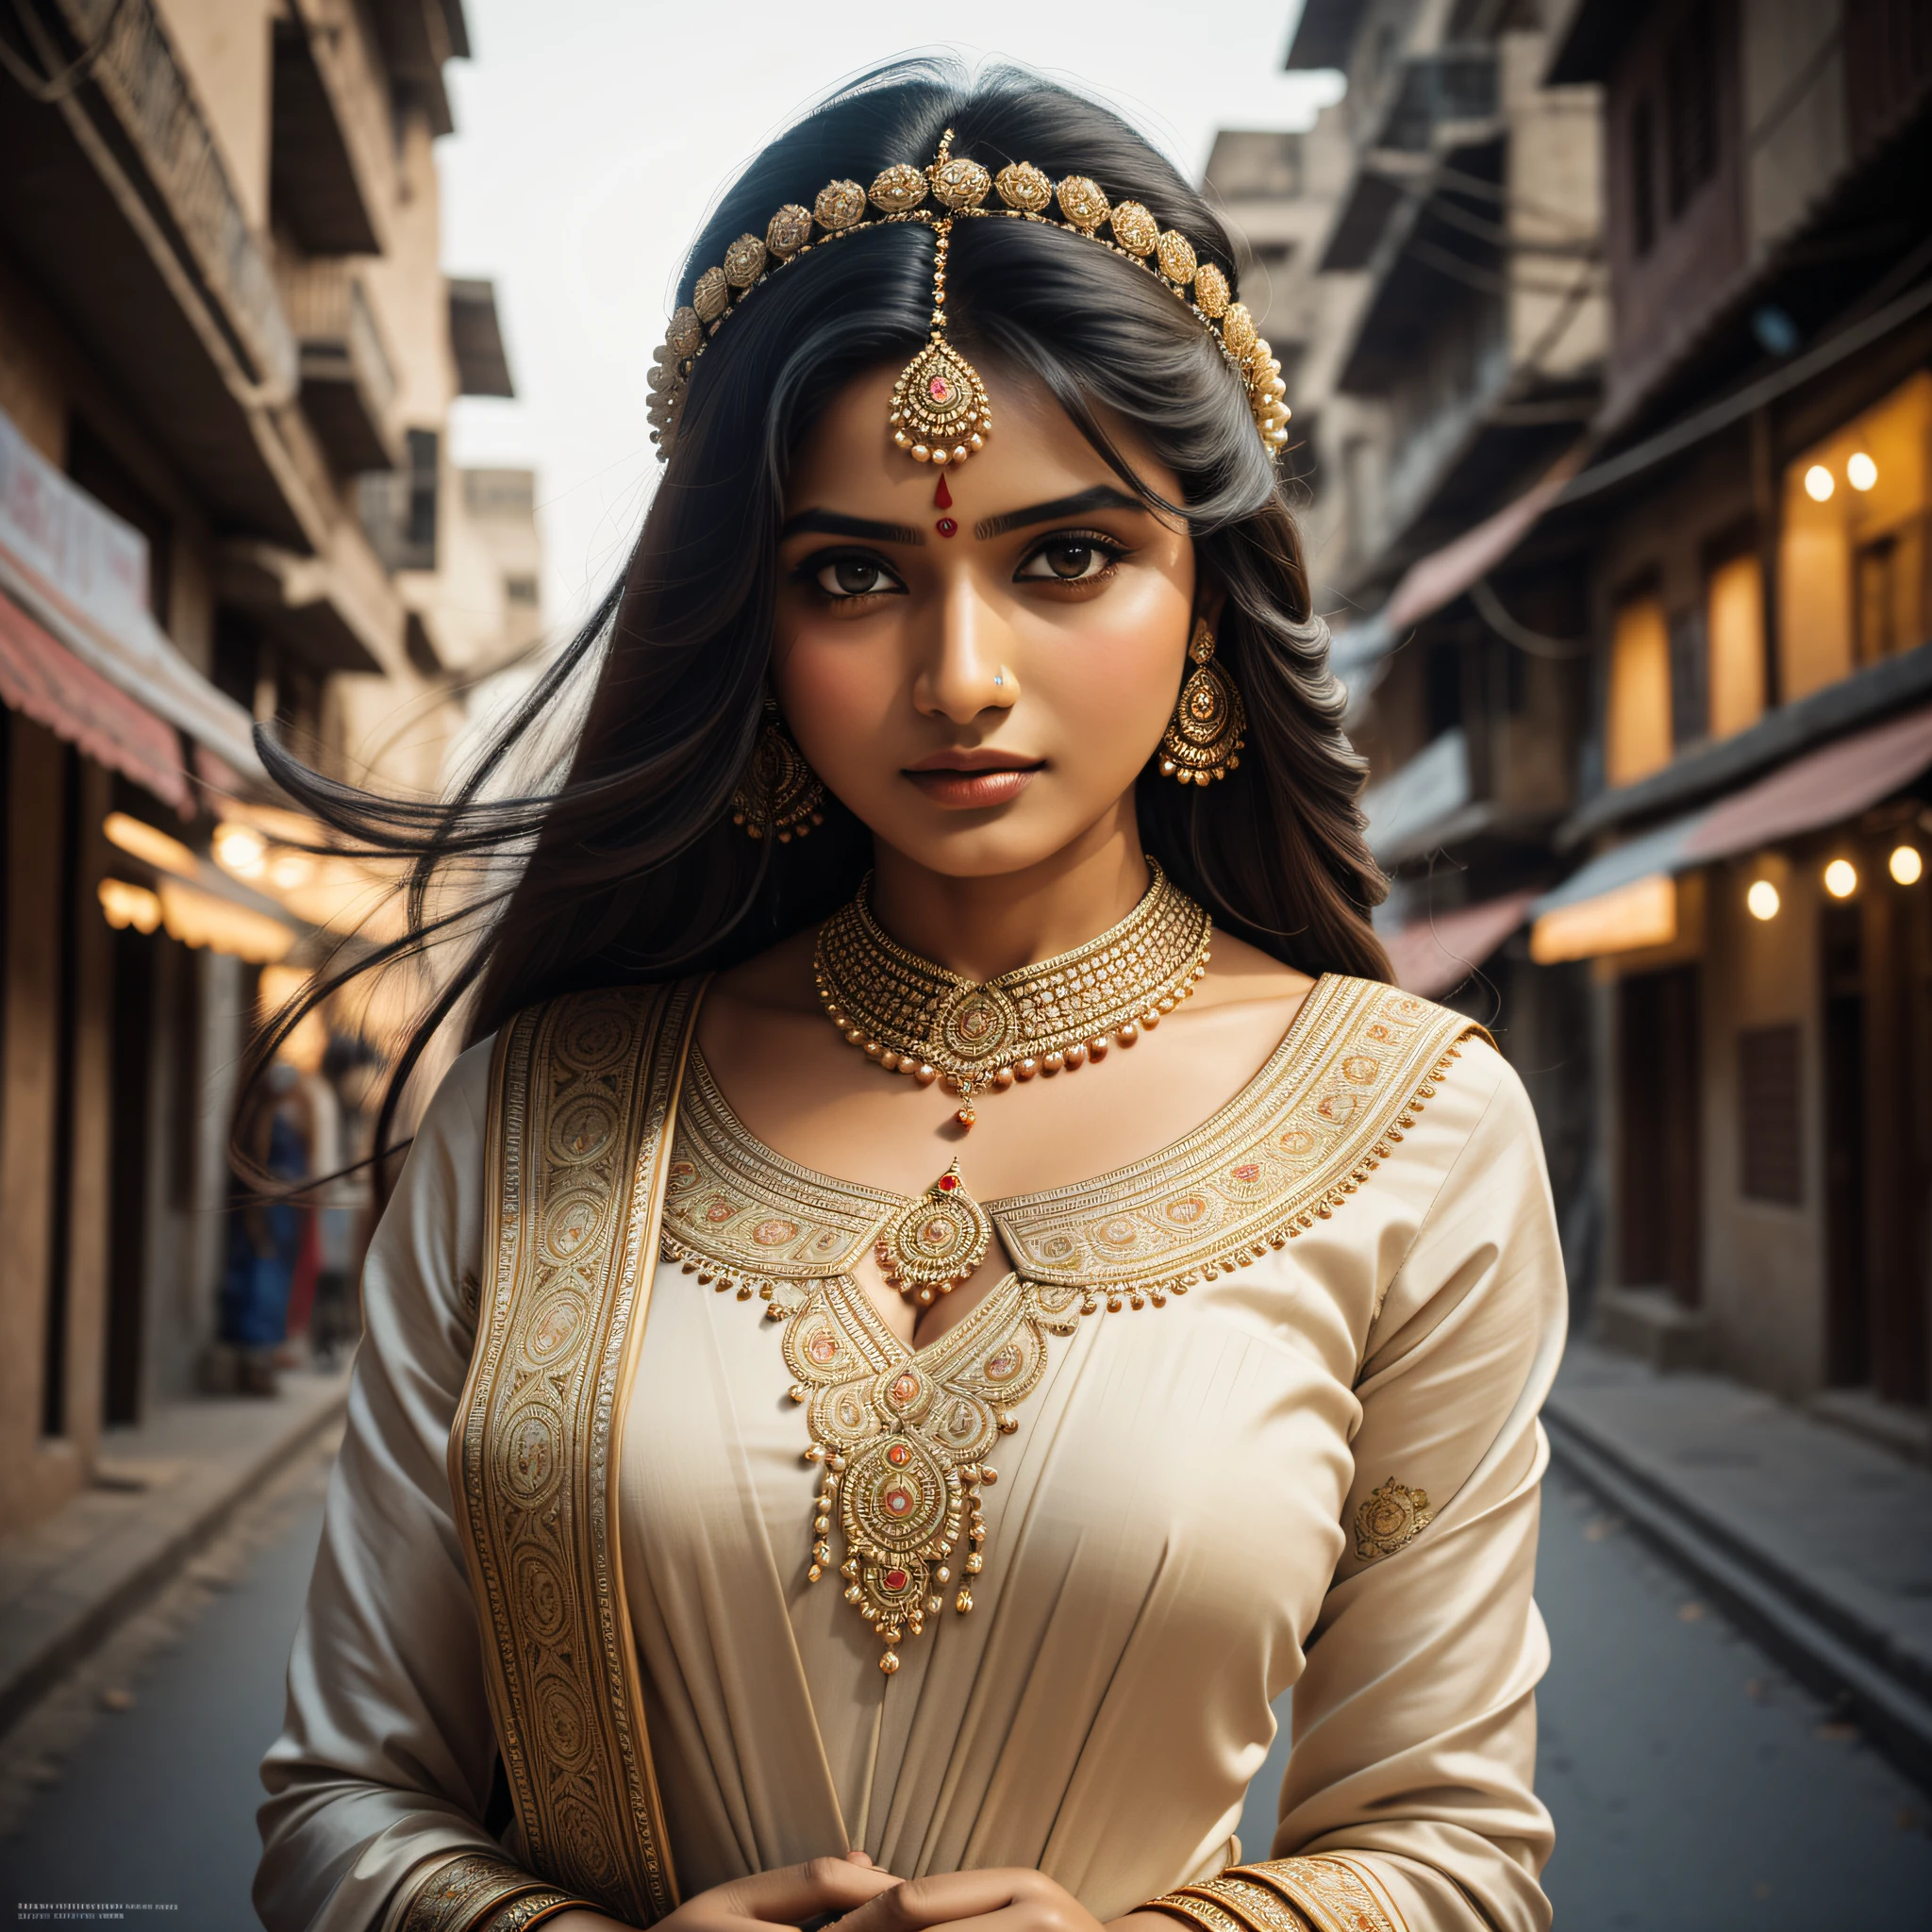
1818,483
1907,865
1862,472
149,842
126,906
1841,879
241,850
1762,900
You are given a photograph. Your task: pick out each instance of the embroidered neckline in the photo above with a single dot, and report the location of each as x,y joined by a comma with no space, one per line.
1357,1064
902,1433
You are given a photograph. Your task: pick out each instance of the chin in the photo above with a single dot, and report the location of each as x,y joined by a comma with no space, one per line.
1004,841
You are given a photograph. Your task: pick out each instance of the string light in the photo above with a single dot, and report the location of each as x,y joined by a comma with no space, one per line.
1862,472
1818,483
1841,879
1907,865
1762,900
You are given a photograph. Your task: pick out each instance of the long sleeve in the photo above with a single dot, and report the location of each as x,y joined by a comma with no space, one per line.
382,1772
1409,1799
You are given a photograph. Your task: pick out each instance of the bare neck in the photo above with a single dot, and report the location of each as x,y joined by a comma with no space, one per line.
984,927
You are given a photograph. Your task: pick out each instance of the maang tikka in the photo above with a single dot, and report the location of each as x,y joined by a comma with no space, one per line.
777,792
1205,737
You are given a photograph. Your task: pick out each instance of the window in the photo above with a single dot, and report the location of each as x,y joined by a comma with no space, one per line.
1642,177
1443,696
1734,626
398,507
422,524
1637,715
1689,679
1768,1118
1852,548
1689,107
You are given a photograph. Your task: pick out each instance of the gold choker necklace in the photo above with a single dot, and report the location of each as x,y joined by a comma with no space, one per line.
915,1018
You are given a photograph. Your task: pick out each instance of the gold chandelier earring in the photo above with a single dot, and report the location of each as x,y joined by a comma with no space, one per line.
777,792
1205,737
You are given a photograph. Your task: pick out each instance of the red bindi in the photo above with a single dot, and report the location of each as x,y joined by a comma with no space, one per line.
945,526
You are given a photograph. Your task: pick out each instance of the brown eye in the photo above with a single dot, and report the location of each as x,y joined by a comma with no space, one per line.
1071,558
855,576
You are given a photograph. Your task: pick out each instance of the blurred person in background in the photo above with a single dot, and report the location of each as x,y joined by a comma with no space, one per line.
343,1208
946,1267
278,1131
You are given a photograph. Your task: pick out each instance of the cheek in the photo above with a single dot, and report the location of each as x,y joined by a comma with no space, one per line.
839,686
1111,676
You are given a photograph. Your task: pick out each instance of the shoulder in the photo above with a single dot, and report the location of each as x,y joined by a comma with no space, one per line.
594,1030
1427,1077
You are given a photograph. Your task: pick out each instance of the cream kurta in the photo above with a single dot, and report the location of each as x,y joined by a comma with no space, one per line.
1183,1526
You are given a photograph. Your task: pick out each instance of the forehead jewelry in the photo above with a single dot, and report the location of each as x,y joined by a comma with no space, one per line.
938,412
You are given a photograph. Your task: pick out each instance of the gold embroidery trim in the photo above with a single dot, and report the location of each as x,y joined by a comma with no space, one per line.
1335,1893
582,1093
478,1893
1344,1086
525,1913
1337,1095
1388,1517
1345,1082
1194,1910
904,1434
1257,1907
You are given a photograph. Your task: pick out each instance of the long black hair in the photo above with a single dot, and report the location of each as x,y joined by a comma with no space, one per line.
630,869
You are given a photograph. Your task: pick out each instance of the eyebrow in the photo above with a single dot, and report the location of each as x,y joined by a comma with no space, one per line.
1102,497
827,522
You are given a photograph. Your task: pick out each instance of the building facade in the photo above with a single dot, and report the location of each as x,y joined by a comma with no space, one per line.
1621,386
228,352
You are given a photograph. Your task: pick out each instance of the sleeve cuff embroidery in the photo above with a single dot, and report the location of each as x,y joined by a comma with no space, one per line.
1316,1894
474,1893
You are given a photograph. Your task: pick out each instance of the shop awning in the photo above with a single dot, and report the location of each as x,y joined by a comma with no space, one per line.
1441,577
1836,782
81,575
1434,955
43,680
1823,787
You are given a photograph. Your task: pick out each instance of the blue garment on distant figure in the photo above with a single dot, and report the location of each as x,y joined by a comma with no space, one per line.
254,1287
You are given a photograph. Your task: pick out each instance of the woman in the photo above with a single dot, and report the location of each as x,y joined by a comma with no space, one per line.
1084,1299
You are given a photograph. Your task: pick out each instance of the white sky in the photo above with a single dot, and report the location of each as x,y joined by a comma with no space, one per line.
594,134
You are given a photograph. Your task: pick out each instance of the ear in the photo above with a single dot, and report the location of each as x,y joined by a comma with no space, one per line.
1211,600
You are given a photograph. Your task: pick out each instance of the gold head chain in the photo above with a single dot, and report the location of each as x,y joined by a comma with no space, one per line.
939,412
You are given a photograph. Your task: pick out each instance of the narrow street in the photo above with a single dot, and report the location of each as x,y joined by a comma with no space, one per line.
1696,1789
134,1783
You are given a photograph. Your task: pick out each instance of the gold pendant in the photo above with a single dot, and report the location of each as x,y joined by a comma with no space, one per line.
935,1243
940,410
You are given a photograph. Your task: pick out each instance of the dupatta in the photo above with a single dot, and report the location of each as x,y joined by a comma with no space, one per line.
582,1101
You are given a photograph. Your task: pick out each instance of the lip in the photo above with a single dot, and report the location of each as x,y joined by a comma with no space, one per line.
972,779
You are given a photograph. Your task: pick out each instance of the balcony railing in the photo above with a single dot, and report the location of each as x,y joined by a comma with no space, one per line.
137,73
348,380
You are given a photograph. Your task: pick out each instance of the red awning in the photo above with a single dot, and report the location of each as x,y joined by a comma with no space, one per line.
1435,955
1441,577
1821,788
42,678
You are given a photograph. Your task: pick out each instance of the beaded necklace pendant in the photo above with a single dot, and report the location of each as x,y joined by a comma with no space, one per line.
936,1243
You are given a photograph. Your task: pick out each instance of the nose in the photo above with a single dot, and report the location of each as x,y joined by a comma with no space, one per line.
964,673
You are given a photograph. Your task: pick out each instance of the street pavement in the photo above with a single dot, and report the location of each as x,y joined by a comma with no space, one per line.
1696,1789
